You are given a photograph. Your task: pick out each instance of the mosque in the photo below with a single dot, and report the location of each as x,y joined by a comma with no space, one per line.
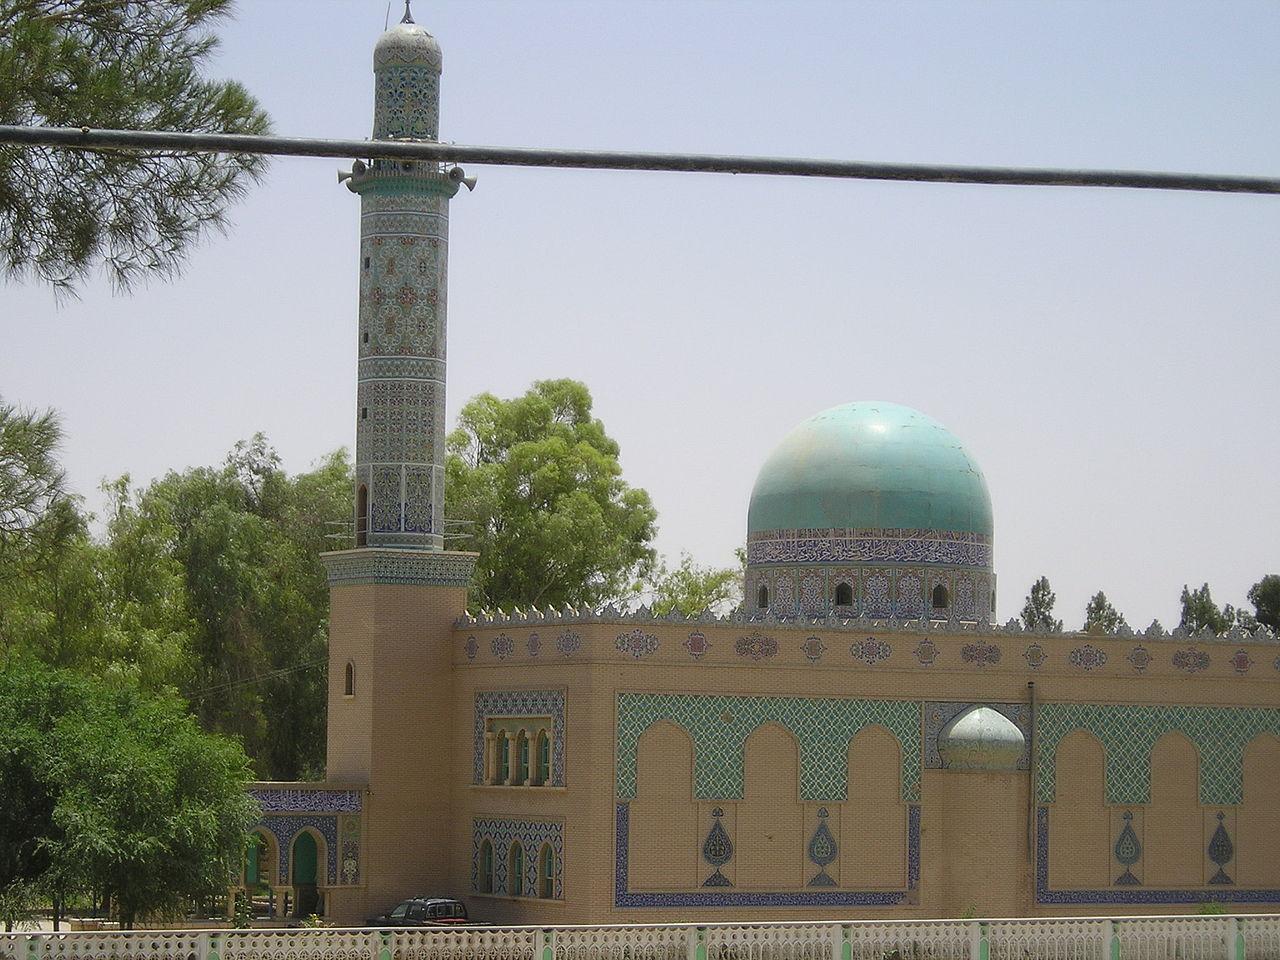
859,740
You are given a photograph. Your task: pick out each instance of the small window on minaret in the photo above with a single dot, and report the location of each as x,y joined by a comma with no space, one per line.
366,263
940,597
364,413
350,688
762,598
364,337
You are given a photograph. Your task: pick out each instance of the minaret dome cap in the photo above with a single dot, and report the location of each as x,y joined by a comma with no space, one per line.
407,45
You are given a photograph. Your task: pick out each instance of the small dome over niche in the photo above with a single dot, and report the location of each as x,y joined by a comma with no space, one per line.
981,739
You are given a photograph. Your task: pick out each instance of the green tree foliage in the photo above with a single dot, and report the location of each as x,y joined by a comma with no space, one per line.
244,540
1265,597
691,588
207,582
1099,614
1037,611
31,482
112,789
1199,612
115,64
537,481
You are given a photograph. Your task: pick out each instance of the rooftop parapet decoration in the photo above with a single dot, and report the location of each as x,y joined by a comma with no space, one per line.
1012,627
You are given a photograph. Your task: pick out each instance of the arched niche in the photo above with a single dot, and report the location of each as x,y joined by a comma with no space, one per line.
664,840
770,823
1079,824
873,848
1257,845
1173,821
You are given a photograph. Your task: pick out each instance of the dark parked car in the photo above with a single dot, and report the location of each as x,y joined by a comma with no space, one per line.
424,912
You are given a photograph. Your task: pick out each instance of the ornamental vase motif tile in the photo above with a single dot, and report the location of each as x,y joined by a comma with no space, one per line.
756,646
568,643
1141,658
926,652
1191,660
813,649
870,651
980,653
1088,657
534,643
637,643
471,648
697,644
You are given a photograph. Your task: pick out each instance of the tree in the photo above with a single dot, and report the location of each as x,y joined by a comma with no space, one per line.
536,480
1265,597
1101,615
691,589
31,481
1037,612
115,64
119,791
1199,612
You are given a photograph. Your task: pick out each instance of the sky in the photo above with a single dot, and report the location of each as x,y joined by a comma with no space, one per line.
1109,357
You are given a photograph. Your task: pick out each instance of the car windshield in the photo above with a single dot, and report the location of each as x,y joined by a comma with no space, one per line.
399,912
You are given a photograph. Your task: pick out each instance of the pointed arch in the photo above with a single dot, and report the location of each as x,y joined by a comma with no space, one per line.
873,847
542,757
484,867
515,869
941,597
349,680
664,836
1079,824
770,823
843,596
1173,821
1258,846
762,597
362,515
547,872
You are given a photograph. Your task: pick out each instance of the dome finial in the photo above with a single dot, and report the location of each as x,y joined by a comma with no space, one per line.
408,14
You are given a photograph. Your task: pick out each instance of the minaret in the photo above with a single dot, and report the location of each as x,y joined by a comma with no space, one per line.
404,254
394,598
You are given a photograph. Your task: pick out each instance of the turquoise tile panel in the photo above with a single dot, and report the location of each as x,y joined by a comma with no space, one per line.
720,725
1128,732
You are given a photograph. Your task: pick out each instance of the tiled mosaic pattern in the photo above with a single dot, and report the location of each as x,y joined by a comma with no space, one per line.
305,800
719,727
870,546
1131,894
879,593
1128,732
400,566
937,714
532,836
520,703
285,828
623,896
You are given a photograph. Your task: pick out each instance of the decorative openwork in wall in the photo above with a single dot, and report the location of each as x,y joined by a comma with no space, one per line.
519,703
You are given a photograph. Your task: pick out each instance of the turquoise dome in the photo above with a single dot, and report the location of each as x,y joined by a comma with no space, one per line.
873,465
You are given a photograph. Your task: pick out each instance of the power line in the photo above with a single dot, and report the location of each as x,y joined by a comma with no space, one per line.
84,138
256,678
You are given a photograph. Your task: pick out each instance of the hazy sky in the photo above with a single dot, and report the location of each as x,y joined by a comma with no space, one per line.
1109,357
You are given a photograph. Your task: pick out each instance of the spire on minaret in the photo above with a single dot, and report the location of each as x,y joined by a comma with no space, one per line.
408,14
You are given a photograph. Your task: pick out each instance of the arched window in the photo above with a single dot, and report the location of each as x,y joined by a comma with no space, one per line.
544,758
349,688
546,872
940,597
844,595
762,598
504,757
362,516
522,758
485,879
515,870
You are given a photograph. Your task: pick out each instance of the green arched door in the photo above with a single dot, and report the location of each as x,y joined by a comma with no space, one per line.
305,860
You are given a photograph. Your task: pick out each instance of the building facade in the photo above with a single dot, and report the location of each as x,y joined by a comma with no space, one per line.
859,740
